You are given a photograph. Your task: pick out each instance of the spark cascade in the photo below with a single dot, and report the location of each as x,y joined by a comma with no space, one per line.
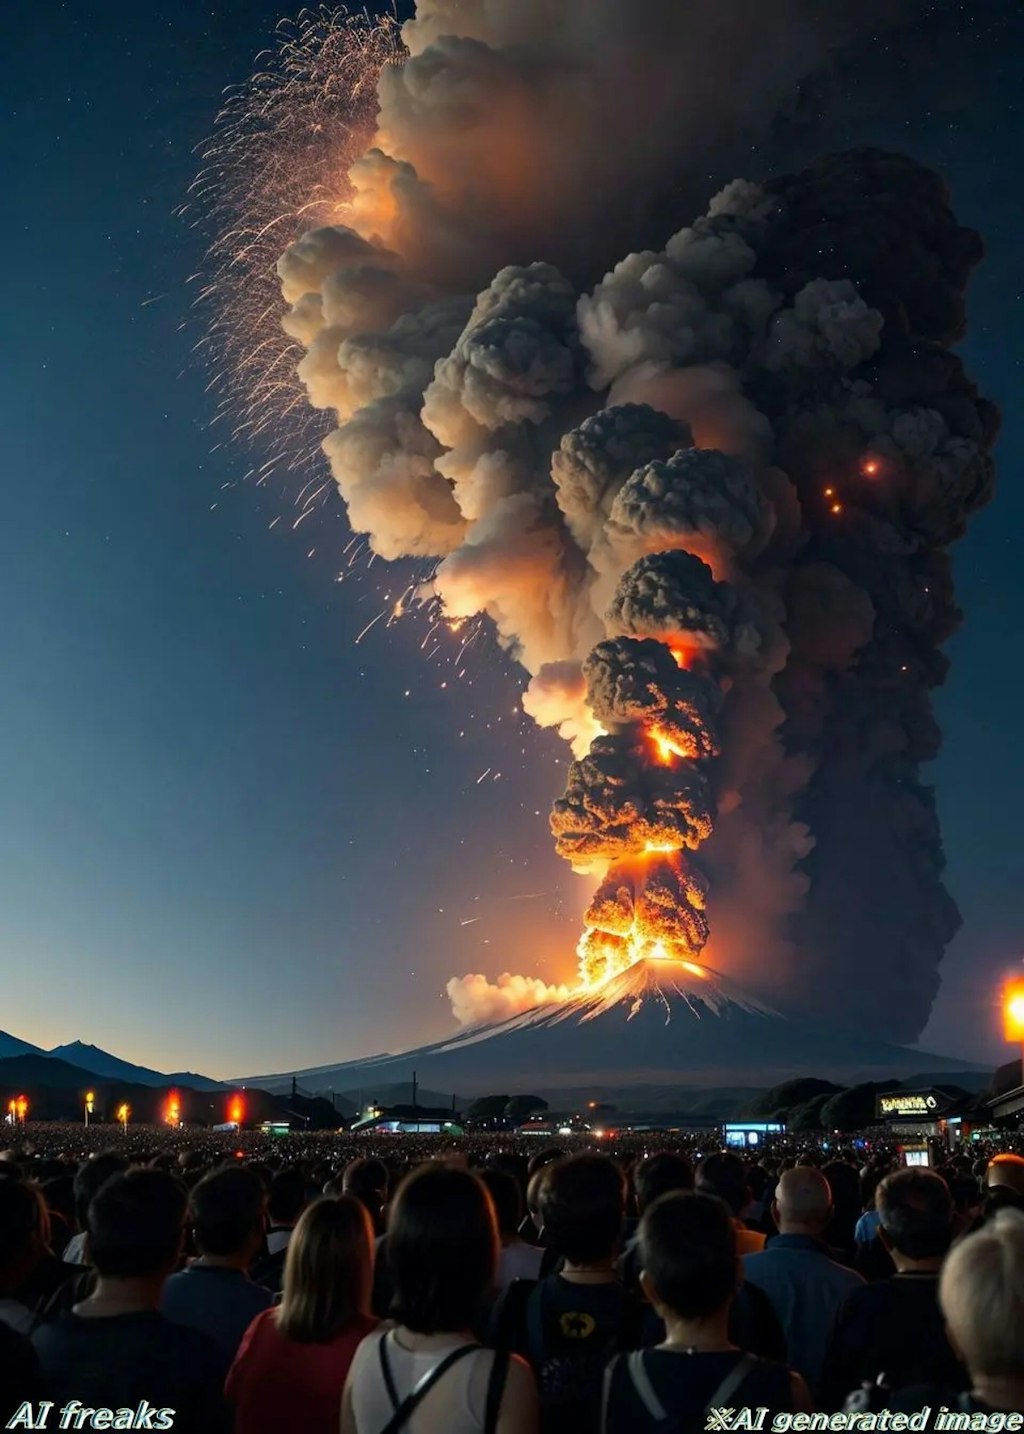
706,501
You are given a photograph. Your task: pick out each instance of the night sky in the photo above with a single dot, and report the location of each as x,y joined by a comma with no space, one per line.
233,839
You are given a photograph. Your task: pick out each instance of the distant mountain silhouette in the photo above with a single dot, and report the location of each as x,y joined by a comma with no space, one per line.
12,1046
102,1063
661,1023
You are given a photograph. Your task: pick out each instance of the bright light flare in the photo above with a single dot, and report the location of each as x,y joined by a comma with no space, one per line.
1013,1011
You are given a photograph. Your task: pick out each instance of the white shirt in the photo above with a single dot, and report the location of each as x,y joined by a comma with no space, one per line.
456,1404
519,1261
74,1254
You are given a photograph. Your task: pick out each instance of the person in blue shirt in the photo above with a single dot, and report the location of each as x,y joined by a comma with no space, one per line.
215,1294
797,1272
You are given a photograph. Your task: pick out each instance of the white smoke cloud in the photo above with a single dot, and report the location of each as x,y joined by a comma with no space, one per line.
475,999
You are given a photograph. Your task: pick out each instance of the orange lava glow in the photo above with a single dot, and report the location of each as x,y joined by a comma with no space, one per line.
603,956
685,654
666,748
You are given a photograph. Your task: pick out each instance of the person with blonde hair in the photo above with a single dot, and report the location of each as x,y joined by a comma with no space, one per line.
293,1361
981,1291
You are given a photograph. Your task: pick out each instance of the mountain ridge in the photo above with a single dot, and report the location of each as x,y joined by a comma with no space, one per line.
661,1022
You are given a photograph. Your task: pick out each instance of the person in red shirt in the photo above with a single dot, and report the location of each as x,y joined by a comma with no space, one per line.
291,1366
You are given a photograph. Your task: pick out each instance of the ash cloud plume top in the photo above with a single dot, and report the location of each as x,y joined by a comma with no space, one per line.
703,479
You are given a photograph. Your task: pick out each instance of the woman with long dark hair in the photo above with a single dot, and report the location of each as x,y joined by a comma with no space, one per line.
428,1372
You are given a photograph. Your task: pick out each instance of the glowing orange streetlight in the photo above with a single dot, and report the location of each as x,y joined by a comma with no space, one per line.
90,1101
1013,1010
1013,1013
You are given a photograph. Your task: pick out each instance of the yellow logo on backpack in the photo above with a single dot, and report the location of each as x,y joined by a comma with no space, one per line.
576,1324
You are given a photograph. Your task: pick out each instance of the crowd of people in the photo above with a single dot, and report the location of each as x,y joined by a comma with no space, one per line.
418,1285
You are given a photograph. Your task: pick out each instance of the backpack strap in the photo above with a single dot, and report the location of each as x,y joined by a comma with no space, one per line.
505,1326
641,1382
385,1370
495,1390
731,1383
535,1314
404,1410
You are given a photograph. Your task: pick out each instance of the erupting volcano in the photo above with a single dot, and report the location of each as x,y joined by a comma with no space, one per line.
706,501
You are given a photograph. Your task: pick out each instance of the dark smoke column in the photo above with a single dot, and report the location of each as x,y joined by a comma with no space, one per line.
888,470
827,303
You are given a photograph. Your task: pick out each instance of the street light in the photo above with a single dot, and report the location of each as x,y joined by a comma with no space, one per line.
89,1103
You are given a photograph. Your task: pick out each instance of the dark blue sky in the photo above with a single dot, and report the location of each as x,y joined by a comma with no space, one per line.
229,839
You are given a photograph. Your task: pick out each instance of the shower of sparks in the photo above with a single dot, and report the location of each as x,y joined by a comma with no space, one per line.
277,165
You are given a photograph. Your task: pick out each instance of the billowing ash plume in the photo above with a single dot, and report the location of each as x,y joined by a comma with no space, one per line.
706,502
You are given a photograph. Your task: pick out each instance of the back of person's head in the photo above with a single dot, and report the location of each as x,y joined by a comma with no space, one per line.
659,1174
758,1181
803,1201
964,1190
442,1249
226,1210
915,1212
287,1196
533,1188
1006,1171
59,1194
91,1176
582,1203
724,1175
327,1270
22,1231
367,1179
688,1252
136,1224
844,1183
508,1201
981,1290
543,1158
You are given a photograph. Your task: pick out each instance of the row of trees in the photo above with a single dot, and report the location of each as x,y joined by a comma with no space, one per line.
810,1105
505,1107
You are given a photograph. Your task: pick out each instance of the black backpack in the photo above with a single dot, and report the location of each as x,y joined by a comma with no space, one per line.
569,1352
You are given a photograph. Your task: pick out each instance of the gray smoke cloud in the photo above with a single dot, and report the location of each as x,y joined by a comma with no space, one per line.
706,499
